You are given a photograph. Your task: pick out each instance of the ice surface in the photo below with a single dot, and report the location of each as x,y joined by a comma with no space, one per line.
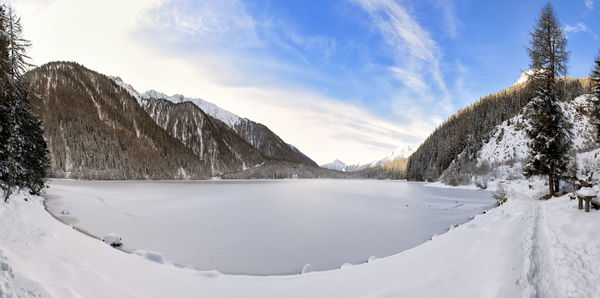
266,227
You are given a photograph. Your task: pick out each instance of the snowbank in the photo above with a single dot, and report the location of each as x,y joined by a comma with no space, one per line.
587,192
153,256
439,184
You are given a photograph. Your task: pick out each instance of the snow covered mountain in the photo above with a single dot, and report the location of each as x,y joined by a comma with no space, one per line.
99,127
209,108
504,154
261,137
468,129
337,165
96,130
209,138
401,152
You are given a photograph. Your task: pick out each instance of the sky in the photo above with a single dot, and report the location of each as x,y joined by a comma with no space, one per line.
349,79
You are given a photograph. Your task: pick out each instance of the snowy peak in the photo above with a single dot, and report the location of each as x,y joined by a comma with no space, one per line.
337,165
402,152
127,88
398,153
258,135
211,109
526,75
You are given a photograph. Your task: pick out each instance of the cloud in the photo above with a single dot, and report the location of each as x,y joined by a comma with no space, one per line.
417,59
589,4
580,27
137,42
452,22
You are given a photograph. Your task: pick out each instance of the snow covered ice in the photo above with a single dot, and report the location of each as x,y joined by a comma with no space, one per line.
266,227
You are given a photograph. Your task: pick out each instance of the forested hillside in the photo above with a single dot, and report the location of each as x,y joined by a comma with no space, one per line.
470,127
209,138
97,130
269,144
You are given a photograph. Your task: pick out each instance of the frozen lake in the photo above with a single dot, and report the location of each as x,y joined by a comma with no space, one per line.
265,227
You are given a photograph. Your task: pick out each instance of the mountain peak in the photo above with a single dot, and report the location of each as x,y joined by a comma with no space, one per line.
213,110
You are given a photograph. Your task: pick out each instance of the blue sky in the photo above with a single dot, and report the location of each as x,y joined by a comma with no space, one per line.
348,79
344,50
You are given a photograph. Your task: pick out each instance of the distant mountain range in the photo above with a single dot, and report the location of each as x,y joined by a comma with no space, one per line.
99,127
402,152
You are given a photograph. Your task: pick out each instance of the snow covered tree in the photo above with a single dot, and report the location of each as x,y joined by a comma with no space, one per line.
596,90
23,151
550,132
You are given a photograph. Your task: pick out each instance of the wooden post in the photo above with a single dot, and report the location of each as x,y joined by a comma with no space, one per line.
580,205
587,203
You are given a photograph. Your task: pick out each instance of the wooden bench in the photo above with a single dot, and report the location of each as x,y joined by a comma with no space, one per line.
588,200
589,195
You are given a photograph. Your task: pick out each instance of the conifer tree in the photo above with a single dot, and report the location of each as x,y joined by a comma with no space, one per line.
596,91
23,150
550,132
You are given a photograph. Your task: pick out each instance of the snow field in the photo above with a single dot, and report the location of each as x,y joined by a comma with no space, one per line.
525,248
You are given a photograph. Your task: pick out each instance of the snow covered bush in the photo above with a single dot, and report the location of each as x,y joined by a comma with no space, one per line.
481,182
500,194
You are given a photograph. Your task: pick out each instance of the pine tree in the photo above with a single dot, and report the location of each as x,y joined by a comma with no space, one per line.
23,150
550,132
596,90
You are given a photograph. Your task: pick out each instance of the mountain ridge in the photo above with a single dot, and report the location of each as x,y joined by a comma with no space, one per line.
100,127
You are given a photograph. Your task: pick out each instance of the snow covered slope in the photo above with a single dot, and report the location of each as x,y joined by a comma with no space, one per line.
213,110
258,135
210,139
506,152
96,129
525,248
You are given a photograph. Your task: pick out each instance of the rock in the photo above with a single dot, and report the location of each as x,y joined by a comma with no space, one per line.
113,239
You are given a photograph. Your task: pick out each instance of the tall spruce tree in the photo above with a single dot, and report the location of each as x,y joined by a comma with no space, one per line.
550,132
23,150
596,90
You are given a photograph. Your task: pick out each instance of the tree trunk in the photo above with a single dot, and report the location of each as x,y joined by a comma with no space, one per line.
557,185
7,193
551,184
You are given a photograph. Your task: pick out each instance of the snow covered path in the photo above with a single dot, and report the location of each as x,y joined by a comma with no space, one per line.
525,248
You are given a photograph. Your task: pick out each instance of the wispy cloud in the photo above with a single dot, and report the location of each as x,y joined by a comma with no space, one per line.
218,51
580,27
448,11
589,4
416,57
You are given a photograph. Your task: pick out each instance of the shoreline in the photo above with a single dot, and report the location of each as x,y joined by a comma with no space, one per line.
131,251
